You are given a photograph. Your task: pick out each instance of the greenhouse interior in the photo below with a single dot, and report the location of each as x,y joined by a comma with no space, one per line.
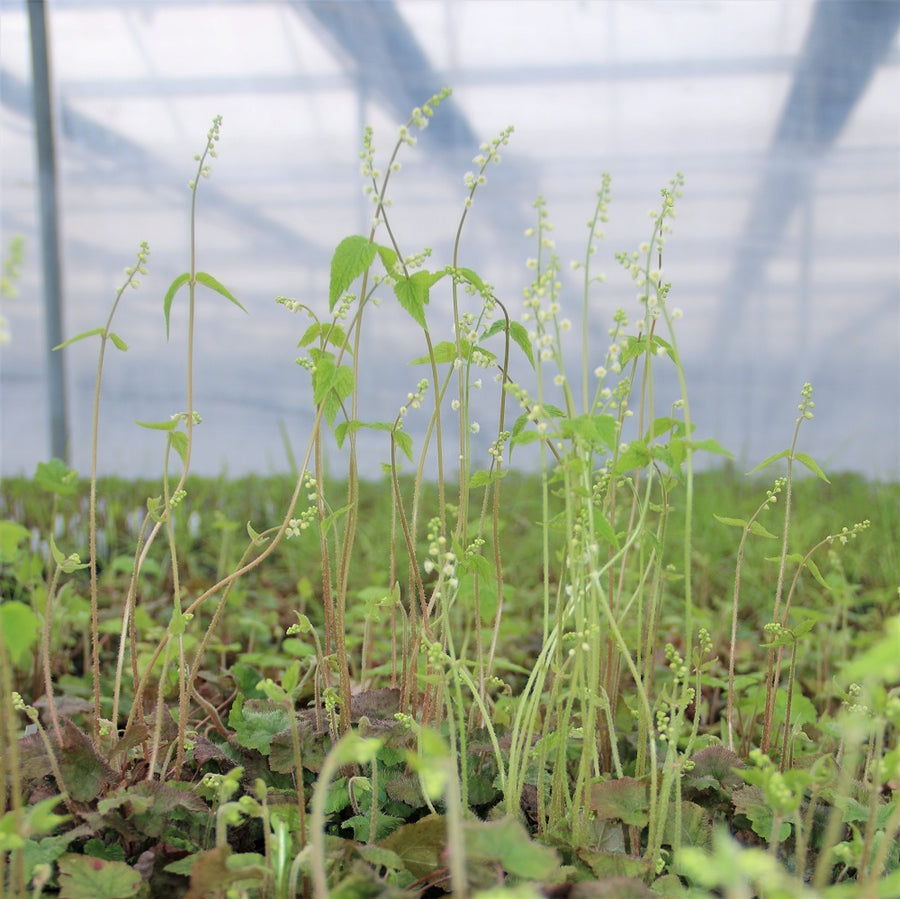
781,115
450,448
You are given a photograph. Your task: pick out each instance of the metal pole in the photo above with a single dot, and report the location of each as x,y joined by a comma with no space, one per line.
46,167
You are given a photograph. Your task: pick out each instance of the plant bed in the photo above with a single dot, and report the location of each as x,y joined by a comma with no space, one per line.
613,677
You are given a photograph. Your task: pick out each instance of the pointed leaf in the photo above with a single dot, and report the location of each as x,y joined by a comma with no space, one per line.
519,334
168,425
757,529
404,441
351,258
412,293
710,446
388,258
812,465
174,287
209,281
118,342
83,335
767,462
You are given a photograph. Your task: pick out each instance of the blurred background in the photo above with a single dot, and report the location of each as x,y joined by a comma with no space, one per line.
783,116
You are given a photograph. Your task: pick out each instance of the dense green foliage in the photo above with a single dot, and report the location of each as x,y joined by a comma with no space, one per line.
614,676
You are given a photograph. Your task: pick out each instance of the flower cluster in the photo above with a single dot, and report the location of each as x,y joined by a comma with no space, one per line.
140,268
440,559
212,138
414,400
490,153
308,515
806,404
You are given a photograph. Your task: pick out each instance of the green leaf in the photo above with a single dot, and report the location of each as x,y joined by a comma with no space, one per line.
624,799
420,846
257,722
413,294
636,455
12,536
255,538
730,522
209,281
82,336
404,442
19,630
483,478
634,346
594,429
118,342
472,277
168,425
814,571
388,258
179,442
56,477
812,465
87,877
757,529
710,446
174,287
767,462
507,843
445,351
517,332
351,258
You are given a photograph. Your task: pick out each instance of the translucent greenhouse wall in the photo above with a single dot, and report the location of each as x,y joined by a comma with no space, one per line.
783,117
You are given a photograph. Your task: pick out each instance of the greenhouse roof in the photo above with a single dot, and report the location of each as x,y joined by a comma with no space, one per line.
782,116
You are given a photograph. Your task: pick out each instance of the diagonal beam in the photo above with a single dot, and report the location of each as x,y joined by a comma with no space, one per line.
374,42
847,41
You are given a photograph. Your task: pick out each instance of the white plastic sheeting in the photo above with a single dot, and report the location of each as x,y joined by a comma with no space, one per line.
782,115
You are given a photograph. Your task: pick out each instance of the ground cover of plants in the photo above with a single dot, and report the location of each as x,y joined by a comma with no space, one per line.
611,676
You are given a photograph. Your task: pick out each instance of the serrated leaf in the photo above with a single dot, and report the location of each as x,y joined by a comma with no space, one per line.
207,280
636,455
352,256
483,478
420,845
624,799
814,571
404,441
444,352
174,287
56,477
472,277
388,258
634,346
507,843
82,336
87,877
812,465
519,334
413,294
179,442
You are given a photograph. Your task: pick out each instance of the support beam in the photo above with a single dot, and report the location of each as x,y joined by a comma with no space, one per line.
52,280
